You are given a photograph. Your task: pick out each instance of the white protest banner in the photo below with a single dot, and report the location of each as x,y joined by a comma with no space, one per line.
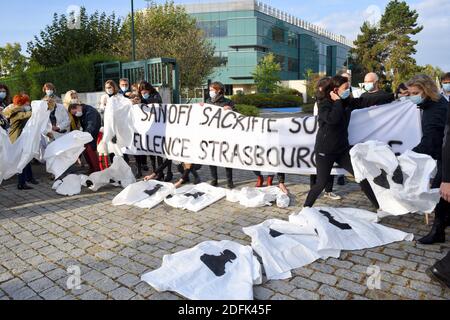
210,135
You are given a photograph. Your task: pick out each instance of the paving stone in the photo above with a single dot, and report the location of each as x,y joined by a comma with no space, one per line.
53,293
302,294
41,284
332,292
122,294
261,293
351,286
304,283
324,278
93,295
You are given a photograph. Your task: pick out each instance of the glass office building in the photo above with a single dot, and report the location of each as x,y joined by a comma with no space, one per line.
244,31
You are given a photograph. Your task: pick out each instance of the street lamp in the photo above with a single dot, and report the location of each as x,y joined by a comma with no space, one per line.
133,34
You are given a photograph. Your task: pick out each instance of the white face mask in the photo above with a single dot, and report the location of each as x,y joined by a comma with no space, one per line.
213,94
110,92
124,88
369,86
79,114
49,93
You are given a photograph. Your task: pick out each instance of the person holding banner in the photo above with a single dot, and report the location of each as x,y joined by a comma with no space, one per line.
124,85
18,115
149,95
332,144
402,92
373,95
89,119
217,98
425,93
59,117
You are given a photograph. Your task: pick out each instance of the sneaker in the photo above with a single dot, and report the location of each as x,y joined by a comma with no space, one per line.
332,196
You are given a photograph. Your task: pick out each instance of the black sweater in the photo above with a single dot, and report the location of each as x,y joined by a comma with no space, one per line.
378,98
334,118
91,122
433,126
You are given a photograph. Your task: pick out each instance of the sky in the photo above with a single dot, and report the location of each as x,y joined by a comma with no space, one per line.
339,16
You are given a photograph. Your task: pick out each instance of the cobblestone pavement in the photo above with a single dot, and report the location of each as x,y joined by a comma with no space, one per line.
42,234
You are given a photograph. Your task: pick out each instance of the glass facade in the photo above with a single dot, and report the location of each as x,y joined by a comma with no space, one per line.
244,32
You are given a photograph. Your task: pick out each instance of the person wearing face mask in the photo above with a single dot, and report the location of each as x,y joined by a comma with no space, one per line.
149,95
124,88
425,93
402,92
89,120
217,98
5,100
332,145
71,97
59,120
373,95
445,81
18,115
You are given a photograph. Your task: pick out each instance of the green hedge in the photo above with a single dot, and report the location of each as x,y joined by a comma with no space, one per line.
262,100
247,110
78,75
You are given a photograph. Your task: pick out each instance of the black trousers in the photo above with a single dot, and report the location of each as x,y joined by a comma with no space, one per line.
214,175
25,176
281,176
328,187
324,165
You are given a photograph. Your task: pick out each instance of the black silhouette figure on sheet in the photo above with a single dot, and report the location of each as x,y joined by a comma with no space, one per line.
217,263
382,180
398,176
153,191
194,195
275,233
334,222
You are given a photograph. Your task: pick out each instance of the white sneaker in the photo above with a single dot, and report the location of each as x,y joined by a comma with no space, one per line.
332,196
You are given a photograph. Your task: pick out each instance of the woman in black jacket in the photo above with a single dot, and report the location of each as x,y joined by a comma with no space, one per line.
217,98
88,118
332,145
149,95
424,92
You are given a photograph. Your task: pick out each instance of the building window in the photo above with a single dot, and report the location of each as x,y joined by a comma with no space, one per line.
277,34
281,60
292,39
214,29
293,65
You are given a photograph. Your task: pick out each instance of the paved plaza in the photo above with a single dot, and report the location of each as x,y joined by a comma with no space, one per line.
43,234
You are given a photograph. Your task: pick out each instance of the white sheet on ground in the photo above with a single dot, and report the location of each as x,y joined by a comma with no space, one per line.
212,270
195,197
344,229
64,152
284,246
401,184
119,174
259,197
70,185
144,194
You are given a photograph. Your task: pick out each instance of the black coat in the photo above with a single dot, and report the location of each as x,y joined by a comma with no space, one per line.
154,98
378,98
446,151
221,102
91,122
334,118
434,118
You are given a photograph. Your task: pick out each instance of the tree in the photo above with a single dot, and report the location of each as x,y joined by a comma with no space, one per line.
60,43
367,50
11,60
267,74
168,31
398,24
434,72
311,83
388,48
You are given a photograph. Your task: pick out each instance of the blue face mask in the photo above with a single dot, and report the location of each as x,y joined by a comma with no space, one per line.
446,87
369,86
344,95
416,99
146,96
2,95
